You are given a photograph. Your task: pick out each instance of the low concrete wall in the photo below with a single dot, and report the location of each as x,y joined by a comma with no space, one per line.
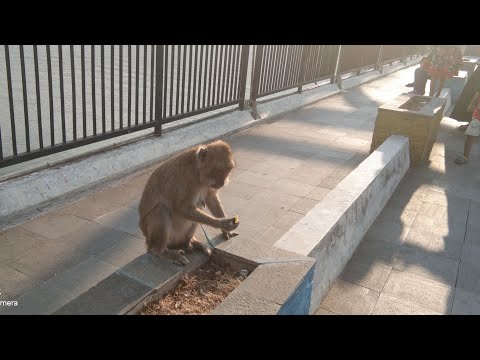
456,84
280,283
331,231
26,196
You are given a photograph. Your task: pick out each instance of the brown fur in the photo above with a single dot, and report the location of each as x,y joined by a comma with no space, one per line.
170,207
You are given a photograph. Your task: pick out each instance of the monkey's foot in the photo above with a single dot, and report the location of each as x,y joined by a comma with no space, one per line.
228,234
200,246
177,256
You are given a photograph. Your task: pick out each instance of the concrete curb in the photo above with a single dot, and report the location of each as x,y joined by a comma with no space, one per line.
27,196
331,231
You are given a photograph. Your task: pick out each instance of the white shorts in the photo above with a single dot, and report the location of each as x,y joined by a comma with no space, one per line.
473,128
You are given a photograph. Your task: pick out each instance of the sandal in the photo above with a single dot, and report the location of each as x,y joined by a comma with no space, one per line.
461,159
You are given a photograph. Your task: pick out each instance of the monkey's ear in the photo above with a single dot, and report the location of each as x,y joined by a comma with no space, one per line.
202,154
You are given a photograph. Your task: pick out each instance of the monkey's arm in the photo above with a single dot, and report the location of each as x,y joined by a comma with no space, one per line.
215,206
194,214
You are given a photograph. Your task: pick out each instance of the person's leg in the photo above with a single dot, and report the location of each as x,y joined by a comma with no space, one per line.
472,133
441,82
467,148
412,84
433,83
421,77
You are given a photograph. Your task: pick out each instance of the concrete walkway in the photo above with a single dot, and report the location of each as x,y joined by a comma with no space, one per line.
89,257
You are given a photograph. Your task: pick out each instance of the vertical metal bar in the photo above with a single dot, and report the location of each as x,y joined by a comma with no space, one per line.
181,95
195,76
214,76
295,62
336,77
50,97
177,98
112,87
265,68
137,80
378,65
102,63
94,107
120,84
204,92
184,66
84,106
219,74
273,63
228,93
237,72
62,93
289,66
224,78
1,149
144,84
152,71
129,92
165,82
159,49
25,101
203,86
74,97
190,53
256,72
210,76
281,67
278,63
303,63
10,100
243,75
171,79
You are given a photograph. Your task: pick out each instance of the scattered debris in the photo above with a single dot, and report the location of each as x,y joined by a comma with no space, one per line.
197,293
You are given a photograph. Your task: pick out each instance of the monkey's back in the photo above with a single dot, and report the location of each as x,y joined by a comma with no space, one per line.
168,183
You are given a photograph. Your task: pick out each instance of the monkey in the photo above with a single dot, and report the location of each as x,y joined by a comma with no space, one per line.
171,205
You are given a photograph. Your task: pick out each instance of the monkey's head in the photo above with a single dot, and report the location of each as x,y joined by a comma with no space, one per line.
215,161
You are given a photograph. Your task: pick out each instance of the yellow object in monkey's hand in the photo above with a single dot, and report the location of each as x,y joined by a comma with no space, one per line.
235,219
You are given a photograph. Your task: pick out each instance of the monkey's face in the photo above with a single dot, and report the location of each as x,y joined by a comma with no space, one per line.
218,177
215,164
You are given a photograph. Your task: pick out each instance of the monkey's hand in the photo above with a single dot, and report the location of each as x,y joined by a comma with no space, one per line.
228,234
228,224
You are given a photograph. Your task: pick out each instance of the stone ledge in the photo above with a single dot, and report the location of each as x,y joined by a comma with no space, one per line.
281,282
126,291
331,231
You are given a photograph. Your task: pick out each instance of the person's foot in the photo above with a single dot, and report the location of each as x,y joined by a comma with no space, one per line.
461,159
409,85
416,92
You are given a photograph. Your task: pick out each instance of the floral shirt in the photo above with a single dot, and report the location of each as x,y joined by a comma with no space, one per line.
445,59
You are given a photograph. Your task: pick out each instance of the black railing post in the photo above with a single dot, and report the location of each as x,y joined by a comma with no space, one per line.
159,49
336,77
303,65
243,75
379,65
256,79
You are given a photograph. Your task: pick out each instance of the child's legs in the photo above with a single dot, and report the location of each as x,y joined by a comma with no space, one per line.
472,132
469,141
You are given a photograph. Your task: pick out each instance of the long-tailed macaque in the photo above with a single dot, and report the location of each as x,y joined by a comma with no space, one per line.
173,198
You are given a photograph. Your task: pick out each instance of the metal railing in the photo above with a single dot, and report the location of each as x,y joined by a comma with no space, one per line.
196,79
357,57
58,97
